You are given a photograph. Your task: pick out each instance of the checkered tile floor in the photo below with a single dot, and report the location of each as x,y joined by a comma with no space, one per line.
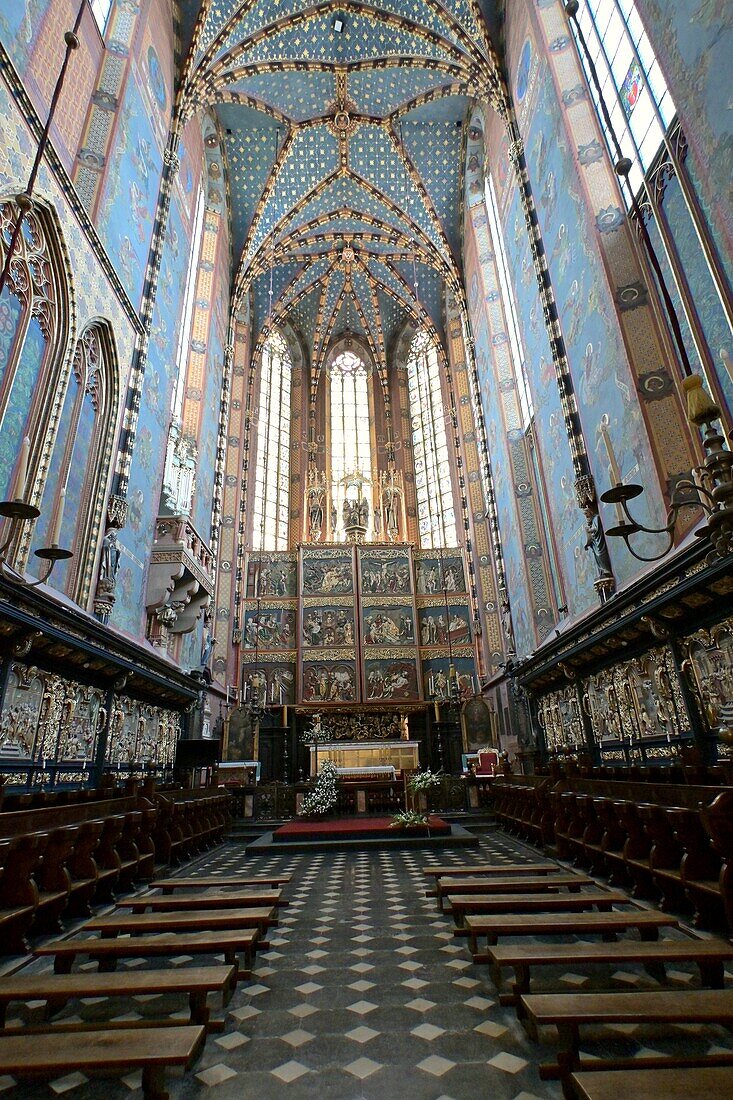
364,993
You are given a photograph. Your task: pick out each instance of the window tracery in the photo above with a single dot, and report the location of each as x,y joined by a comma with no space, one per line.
272,475
351,447
434,489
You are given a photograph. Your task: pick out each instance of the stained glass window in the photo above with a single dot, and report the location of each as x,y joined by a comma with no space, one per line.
100,11
272,475
434,490
351,449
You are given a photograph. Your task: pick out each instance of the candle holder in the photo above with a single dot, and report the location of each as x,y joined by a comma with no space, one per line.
18,512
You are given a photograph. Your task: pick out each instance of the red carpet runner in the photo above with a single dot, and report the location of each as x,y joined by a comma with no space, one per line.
353,827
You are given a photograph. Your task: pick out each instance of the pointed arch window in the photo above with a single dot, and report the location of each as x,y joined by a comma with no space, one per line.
433,486
80,461
271,516
351,448
644,117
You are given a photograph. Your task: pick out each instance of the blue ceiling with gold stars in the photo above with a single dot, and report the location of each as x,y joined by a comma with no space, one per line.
343,130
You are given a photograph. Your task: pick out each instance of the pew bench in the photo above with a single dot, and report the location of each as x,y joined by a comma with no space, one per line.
57,989
168,885
195,920
229,942
645,921
653,1084
103,1052
543,884
567,1011
461,904
491,869
158,903
709,955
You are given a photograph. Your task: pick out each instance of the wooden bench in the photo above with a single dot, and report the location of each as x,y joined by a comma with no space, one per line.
544,884
567,1011
461,904
56,989
645,921
196,920
168,885
104,1052
158,903
654,1084
229,942
709,955
493,869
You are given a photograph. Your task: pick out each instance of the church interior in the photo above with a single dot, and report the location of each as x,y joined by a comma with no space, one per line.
366,546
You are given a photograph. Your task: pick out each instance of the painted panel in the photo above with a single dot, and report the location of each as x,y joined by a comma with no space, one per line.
328,626
391,679
436,627
433,574
276,677
385,572
329,681
435,677
388,626
332,575
271,576
269,628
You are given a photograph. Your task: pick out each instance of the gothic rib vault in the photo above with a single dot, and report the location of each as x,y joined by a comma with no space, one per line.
344,153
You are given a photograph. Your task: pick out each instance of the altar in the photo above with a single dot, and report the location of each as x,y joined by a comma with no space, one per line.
358,759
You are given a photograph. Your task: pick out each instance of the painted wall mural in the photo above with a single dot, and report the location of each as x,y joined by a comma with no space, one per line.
388,626
271,575
269,628
433,574
385,572
693,40
332,575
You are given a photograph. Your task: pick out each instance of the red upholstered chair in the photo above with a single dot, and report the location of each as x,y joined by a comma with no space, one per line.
488,762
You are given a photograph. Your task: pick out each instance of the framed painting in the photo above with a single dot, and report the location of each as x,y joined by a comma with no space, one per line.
437,626
329,573
385,572
390,679
388,626
435,677
269,628
434,574
329,681
271,574
327,626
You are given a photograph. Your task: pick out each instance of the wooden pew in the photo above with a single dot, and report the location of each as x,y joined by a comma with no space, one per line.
522,884
569,1010
197,920
235,899
229,942
103,1052
492,869
461,904
168,885
646,921
654,1084
57,989
709,955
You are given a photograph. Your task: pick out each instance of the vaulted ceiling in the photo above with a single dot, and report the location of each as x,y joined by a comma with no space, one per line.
342,128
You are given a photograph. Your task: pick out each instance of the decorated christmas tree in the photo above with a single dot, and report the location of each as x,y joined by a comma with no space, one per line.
324,795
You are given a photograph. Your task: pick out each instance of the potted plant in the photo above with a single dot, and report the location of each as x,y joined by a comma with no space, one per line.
323,796
418,786
410,819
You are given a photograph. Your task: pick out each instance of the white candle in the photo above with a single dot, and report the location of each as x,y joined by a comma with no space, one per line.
59,518
21,476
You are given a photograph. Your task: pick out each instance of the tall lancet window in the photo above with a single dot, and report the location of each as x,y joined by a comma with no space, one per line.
351,450
272,476
435,510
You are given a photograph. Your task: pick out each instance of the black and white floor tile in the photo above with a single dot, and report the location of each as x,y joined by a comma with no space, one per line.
364,993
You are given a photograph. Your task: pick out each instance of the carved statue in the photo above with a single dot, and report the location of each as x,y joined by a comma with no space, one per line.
363,512
596,542
207,649
315,514
507,627
110,561
390,502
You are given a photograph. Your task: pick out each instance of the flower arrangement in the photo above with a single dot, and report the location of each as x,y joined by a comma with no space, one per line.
324,795
423,781
408,819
